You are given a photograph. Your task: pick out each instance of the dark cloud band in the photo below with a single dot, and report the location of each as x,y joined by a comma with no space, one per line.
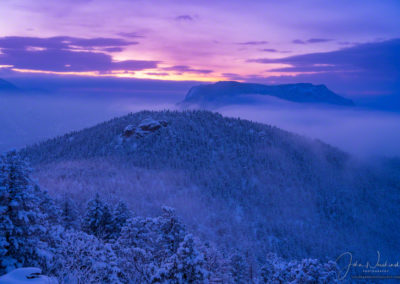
68,54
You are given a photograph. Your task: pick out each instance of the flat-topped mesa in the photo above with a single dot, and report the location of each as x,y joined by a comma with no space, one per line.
225,92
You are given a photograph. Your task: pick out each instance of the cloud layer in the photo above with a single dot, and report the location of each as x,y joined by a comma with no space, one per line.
371,57
258,42
311,40
204,36
68,54
369,69
187,69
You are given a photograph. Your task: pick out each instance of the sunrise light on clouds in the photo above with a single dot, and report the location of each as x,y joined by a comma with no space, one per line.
182,40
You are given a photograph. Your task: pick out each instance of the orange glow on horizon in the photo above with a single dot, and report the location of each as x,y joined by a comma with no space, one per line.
144,74
127,74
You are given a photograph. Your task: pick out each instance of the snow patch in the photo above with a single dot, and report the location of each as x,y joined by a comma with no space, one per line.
26,275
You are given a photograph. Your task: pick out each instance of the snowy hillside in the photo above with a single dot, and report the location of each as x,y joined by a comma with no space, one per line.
244,186
108,243
231,92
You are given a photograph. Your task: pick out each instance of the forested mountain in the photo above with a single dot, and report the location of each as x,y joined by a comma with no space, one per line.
231,92
247,188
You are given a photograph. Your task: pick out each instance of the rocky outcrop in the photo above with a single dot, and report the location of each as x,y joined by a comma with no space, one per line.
145,127
128,131
149,124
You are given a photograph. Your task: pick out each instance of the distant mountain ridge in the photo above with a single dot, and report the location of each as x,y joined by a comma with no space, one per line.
6,86
228,92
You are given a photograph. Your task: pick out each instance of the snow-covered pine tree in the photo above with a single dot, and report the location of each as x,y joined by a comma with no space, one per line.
98,219
48,206
172,233
121,214
185,266
215,263
135,249
146,246
268,269
22,224
107,224
93,221
69,214
238,268
83,258
6,225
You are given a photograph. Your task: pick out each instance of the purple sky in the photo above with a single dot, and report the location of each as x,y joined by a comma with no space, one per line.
352,46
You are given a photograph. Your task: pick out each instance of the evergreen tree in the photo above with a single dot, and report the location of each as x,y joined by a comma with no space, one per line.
120,215
69,214
136,249
172,233
106,225
48,206
83,258
185,266
22,224
93,220
238,268
268,269
148,246
215,263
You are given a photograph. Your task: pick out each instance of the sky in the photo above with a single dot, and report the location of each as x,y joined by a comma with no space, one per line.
352,46
85,61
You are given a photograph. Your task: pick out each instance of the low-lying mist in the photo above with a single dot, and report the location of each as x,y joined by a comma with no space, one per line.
358,131
26,119
29,119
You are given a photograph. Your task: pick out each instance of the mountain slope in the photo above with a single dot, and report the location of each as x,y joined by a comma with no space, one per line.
6,86
228,92
238,183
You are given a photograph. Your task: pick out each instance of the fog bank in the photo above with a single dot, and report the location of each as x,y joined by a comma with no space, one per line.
26,119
